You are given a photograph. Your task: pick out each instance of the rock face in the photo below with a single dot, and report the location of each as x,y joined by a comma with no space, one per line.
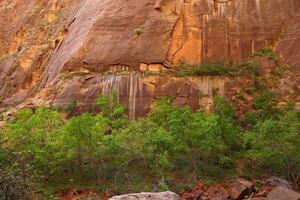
101,34
240,188
281,193
137,91
290,53
42,41
148,196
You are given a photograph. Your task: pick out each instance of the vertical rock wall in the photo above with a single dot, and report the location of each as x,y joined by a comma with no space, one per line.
209,30
41,40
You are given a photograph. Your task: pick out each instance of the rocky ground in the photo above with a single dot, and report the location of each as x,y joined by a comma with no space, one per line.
235,189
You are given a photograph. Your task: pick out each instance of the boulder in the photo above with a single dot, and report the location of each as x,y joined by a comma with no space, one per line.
282,193
148,196
240,188
263,191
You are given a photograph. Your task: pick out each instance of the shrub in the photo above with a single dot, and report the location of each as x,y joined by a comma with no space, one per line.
138,31
227,121
275,146
82,136
71,106
251,90
112,109
210,69
267,52
249,68
7,56
266,105
4,57
251,118
34,135
16,180
14,184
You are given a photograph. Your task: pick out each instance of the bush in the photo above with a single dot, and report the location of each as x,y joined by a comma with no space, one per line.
14,184
227,121
249,68
35,136
16,180
275,146
112,110
71,106
138,31
4,57
251,90
267,52
266,105
216,68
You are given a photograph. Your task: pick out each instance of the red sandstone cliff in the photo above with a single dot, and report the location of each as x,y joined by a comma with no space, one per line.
53,51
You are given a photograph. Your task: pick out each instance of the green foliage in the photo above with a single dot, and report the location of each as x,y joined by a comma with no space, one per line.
251,118
162,186
82,136
273,140
210,69
18,179
138,31
267,52
264,100
35,134
7,56
274,145
14,184
111,109
219,68
143,139
69,75
4,57
249,68
251,90
198,135
227,121
266,105
71,106
153,152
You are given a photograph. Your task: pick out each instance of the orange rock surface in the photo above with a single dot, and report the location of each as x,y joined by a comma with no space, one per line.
43,40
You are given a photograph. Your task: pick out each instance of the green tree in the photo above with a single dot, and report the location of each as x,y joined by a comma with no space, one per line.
83,135
143,139
198,135
161,110
266,105
203,139
35,135
227,121
274,145
112,109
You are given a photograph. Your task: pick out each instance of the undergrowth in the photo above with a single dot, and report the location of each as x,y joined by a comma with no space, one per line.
171,145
